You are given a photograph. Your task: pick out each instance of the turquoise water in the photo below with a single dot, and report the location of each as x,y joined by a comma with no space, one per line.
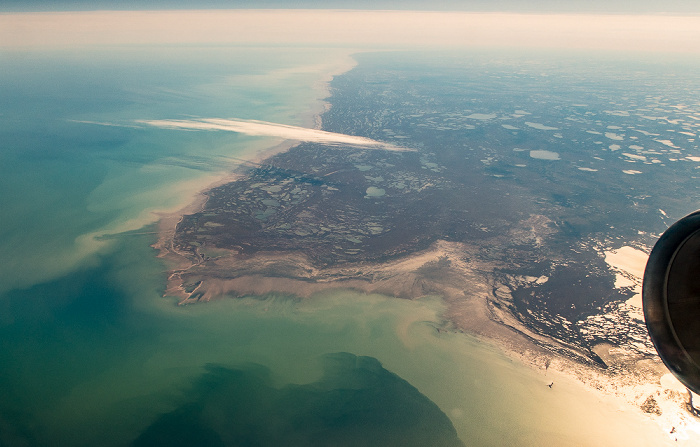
91,352
99,358
65,181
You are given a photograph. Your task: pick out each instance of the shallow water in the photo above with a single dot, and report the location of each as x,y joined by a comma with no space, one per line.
98,357
66,180
91,352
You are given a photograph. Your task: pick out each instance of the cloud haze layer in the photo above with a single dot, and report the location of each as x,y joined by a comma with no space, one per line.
610,6
357,28
263,128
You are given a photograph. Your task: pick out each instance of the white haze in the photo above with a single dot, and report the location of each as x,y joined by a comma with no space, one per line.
267,129
608,32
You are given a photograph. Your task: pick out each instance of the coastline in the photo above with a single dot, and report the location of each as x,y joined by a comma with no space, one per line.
638,389
406,278
311,118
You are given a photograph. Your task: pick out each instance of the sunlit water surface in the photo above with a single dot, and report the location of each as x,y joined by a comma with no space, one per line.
91,352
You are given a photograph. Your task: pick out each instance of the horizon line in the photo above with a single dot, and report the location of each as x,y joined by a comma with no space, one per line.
377,29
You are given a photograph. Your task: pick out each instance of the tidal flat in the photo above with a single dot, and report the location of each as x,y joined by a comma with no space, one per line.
94,354
121,363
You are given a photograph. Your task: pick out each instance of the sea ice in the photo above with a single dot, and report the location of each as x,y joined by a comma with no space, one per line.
544,155
635,156
482,116
540,126
668,143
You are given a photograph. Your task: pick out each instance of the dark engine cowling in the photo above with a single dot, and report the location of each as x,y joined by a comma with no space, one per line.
671,299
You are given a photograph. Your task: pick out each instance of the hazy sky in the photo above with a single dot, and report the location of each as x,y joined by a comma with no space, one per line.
406,29
616,6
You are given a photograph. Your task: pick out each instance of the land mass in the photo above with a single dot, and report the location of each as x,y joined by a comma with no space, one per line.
514,242
316,217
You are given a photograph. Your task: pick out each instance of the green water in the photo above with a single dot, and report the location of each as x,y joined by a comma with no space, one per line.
91,352
99,358
65,181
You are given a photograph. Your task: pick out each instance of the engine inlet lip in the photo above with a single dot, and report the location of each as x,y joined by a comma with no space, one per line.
662,326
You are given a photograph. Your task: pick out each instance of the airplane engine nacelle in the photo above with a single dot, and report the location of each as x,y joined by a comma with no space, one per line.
671,299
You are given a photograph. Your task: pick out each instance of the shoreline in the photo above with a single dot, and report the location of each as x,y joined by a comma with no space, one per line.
637,387
639,390
476,315
312,118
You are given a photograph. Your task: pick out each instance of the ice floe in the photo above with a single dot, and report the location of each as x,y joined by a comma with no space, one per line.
668,143
614,136
482,116
544,155
540,126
